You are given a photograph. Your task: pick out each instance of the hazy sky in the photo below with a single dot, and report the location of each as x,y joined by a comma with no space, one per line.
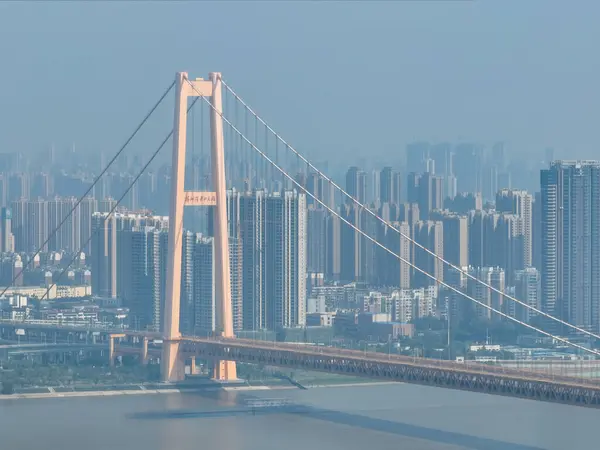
334,77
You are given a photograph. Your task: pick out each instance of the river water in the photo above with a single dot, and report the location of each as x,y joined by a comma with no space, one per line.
367,417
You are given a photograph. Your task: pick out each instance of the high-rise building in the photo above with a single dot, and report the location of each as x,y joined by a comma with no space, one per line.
571,242
285,226
458,306
316,253
272,229
444,158
67,236
417,154
492,276
87,208
251,230
204,296
358,254
386,185
106,204
391,270
6,237
519,203
30,220
527,291
536,231
456,240
427,190
186,307
204,287
142,270
356,185
429,234
104,255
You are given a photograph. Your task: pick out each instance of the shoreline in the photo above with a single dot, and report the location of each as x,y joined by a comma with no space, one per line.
183,390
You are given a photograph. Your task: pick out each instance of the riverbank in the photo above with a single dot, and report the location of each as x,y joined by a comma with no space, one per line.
141,390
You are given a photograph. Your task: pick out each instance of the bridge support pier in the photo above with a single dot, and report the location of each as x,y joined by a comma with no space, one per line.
144,350
225,371
172,366
193,365
111,351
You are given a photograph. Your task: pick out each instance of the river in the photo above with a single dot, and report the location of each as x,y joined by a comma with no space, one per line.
350,418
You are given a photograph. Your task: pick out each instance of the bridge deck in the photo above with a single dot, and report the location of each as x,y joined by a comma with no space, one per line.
449,374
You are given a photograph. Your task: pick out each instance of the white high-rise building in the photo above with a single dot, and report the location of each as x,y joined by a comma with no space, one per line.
285,226
519,203
204,297
570,192
526,290
272,230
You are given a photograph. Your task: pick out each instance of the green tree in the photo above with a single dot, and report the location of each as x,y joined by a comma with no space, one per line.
7,388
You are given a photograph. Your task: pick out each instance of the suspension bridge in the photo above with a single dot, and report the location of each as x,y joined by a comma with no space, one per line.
224,348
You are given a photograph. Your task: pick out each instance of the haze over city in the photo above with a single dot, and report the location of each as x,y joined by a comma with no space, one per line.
336,78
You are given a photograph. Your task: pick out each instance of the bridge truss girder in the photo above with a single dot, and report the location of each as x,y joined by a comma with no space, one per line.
506,385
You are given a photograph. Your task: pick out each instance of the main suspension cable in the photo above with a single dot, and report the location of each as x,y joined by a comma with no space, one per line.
80,199
114,208
403,235
374,241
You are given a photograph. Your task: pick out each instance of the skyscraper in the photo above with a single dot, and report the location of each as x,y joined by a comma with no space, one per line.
271,230
386,185
204,285
356,185
570,192
456,240
285,226
519,203
6,236
429,234
104,255
142,269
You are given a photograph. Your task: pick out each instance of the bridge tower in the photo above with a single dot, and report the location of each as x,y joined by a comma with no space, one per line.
172,364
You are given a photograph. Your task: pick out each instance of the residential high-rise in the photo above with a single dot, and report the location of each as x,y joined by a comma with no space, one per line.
519,203
386,185
251,231
356,185
526,290
67,236
316,254
493,276
429,234
456,240
104,255
30,225
285,226
6,236
570,193
391,270
106,261
358,254
87,208
272,233
204,285
536,231
186,309
142,266
417,154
